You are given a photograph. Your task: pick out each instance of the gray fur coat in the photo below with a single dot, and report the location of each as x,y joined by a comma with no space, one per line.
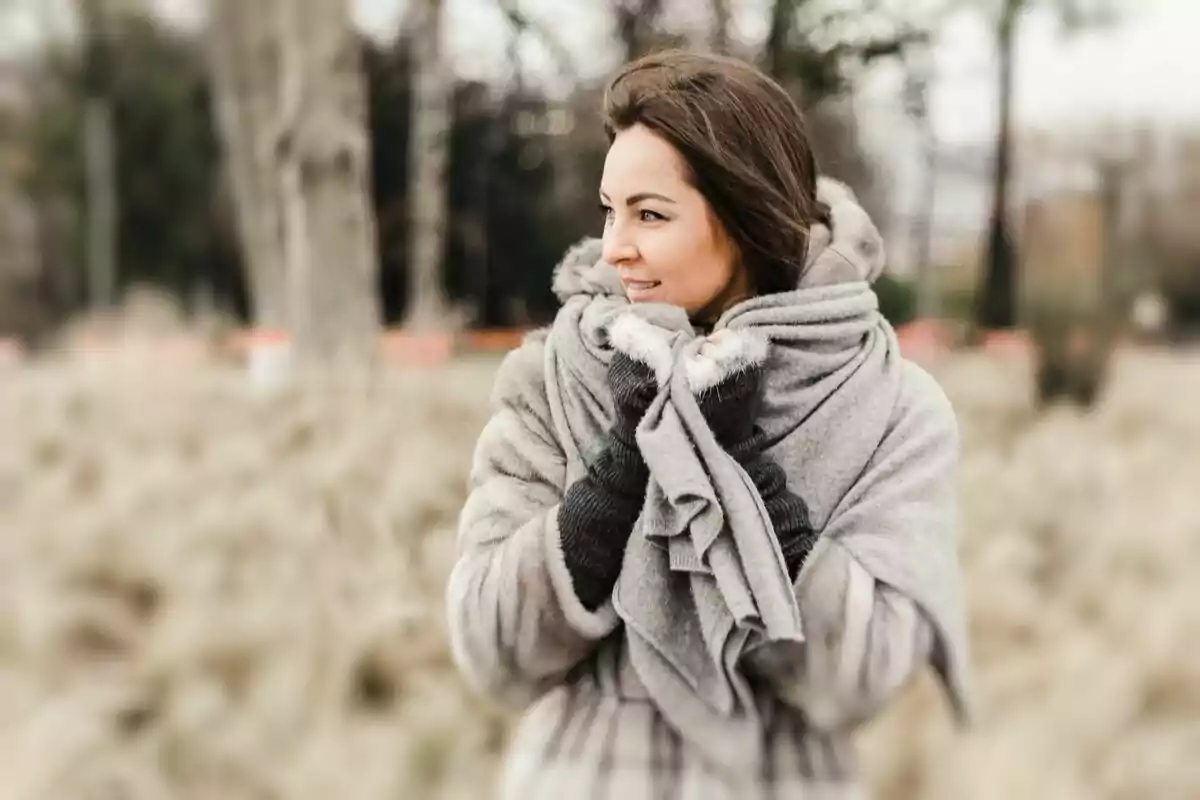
591,727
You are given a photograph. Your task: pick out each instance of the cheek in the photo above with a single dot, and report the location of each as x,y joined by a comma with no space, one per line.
698,272
690,265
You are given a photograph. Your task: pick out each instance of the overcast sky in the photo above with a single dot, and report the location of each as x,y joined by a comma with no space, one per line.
1145,67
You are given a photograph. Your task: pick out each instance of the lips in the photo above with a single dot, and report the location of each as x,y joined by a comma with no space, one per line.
640,291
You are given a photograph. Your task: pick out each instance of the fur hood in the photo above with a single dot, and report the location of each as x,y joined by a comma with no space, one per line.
849,249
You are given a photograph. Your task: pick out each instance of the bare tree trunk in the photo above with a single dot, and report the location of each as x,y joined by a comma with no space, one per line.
245,63
99,151
291,105
635,24
718,40
427,306
997,303
101,192
324,170
917,79
927,289
568,186
777,37
1113,282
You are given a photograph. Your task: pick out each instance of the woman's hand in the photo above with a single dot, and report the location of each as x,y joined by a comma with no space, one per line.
731,406
598,511
731,409
633,389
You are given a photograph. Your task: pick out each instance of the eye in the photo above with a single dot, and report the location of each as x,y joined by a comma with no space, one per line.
606,211
651,216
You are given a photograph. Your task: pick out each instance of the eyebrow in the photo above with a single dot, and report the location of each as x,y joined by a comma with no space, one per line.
634,199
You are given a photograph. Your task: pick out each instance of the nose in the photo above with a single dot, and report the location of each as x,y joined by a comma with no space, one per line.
617,249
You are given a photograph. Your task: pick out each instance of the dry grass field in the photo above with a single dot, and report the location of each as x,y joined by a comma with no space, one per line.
207,592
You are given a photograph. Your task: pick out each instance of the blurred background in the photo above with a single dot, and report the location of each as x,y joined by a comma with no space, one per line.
223,550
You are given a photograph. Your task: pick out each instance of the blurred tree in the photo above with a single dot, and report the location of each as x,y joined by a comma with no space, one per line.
997,301
719,33
774,49
505,226
431,123
522,23
244,63
897,299
996,304
293,114
917,63
1169,205
20,314
532,156
817,50
171,228
833,129
792,56
389,108
527,233
636,22
324,153
504,230
101,207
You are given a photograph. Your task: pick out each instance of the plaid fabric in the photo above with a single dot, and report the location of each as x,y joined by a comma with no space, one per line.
592,739
598,734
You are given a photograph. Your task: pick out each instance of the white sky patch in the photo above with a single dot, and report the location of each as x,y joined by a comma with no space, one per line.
1145,67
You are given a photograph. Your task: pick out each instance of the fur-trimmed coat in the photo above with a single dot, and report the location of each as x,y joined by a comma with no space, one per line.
520,635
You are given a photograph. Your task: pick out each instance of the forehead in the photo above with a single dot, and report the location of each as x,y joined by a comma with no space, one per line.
641,160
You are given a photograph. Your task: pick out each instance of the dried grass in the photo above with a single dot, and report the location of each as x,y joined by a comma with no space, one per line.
207,592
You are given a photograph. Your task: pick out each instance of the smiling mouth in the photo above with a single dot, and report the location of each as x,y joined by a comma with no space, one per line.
641,286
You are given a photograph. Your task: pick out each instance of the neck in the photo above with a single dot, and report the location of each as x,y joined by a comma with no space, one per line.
735,291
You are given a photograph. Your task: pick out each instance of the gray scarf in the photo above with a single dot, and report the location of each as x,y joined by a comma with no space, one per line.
703,582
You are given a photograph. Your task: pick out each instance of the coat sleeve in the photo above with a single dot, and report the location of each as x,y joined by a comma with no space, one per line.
863,641
516,626
864,637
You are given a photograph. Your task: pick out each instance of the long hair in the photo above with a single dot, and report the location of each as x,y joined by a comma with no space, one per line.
745,145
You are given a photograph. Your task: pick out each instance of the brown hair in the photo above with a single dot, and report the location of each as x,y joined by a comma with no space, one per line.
746,149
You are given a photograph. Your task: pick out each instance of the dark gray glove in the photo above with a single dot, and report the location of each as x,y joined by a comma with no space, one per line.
598,511
731,408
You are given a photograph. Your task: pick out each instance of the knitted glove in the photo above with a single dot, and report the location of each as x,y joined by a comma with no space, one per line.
598,511
731,408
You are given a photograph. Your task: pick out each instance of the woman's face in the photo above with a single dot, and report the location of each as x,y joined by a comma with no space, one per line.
661,234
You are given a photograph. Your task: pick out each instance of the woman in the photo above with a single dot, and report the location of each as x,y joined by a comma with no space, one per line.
710,527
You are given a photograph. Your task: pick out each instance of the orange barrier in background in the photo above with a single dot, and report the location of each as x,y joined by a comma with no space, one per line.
921,340
425,349
493,340
397,345
1008,344
924,340
403,347
11,352
246,339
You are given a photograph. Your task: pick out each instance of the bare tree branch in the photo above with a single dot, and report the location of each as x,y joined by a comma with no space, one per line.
635,24
522,21
719,32
782,14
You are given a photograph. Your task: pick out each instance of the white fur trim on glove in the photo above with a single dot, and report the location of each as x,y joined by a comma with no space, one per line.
644,342
722,354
